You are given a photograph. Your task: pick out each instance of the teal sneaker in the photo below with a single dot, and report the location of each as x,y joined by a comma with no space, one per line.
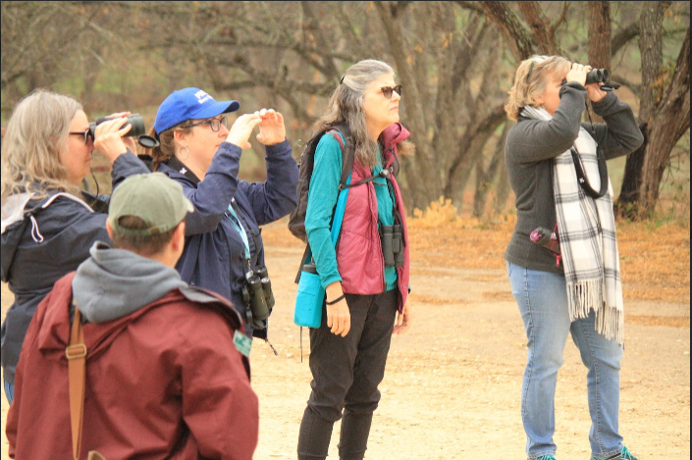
545,457
624,455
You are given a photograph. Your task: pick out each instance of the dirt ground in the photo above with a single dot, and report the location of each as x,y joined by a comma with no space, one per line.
452,386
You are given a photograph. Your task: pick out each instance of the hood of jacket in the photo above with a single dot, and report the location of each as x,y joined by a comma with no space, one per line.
113,283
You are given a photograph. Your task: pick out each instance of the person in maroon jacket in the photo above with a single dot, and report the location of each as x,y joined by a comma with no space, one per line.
167,374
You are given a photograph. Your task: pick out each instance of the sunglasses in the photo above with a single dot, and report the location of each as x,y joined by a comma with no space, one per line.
86,136
214,124
387,91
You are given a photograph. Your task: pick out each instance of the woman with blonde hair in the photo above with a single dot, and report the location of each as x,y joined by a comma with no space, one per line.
47,228
366,288
563,261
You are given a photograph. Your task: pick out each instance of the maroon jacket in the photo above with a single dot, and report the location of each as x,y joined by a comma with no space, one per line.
164,382
359,251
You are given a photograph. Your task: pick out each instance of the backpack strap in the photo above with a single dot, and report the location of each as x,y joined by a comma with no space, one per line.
76,359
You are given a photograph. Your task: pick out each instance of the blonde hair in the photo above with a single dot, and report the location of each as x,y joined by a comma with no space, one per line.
36,134
345,107
530,81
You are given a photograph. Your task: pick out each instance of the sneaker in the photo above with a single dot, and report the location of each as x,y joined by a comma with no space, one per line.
623,455
545,457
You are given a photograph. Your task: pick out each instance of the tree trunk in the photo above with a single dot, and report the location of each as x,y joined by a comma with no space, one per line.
486,178
422,176
540,25
515,34
671,121
651,47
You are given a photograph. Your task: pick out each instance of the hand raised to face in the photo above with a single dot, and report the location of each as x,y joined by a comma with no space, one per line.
272,127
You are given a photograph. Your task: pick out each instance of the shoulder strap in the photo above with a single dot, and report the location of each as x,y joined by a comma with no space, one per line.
584,180
76,358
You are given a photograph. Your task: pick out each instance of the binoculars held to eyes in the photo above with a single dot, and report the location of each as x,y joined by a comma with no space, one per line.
601,76
137,130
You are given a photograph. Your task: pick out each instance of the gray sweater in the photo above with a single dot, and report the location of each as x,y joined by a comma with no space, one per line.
530,148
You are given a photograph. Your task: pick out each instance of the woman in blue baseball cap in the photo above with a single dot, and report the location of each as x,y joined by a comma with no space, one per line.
223,248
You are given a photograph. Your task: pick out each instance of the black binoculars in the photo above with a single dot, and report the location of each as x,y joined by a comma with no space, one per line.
258,293
137,130
392,245
601,76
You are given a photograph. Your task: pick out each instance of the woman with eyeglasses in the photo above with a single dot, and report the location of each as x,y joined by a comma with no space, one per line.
567,284
366,290
47,227
223,247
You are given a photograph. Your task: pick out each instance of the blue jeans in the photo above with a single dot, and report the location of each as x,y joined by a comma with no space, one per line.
542,300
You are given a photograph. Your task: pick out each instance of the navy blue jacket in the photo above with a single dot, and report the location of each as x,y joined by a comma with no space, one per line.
42,248
214,252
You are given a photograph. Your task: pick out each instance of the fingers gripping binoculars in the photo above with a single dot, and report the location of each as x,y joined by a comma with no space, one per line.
137,130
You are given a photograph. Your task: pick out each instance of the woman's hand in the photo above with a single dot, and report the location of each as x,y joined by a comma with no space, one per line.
338,315
242,128
272,128
108,137
595,93
578,73
403,320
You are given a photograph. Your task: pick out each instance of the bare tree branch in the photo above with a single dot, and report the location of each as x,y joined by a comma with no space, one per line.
517,37
541,27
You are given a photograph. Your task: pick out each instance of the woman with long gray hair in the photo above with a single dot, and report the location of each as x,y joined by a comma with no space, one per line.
366,287
47,227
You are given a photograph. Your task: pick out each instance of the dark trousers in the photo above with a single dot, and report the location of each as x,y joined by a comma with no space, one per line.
346,372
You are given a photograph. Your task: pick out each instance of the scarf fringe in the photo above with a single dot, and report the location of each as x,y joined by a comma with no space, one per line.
584,296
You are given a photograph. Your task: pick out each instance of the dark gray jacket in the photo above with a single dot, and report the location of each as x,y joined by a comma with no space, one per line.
529,151
43,247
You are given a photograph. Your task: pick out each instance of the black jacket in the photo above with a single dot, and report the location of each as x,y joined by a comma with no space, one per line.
52,239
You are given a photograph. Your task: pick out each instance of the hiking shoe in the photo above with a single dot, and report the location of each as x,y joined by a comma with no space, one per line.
623,455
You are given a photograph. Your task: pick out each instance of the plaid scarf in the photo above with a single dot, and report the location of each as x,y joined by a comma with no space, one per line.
588,241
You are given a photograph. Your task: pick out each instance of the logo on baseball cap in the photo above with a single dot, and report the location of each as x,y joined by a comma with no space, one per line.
188,104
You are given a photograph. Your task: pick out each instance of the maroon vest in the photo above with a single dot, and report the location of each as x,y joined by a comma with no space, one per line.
359,251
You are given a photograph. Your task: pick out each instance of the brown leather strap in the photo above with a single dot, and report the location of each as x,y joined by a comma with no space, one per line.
76,359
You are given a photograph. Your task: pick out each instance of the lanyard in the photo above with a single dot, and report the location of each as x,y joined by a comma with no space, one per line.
233,217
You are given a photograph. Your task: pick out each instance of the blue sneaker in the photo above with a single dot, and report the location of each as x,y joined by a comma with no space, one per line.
623,455
545,457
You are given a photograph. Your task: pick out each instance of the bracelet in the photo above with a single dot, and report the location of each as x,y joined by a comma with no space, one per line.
343,296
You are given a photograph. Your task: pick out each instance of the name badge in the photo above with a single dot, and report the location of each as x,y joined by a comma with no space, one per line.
242,343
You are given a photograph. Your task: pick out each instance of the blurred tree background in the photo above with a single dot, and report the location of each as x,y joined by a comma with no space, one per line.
456,61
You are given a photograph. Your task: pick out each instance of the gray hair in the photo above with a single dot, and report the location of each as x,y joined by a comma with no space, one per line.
36,134
346,107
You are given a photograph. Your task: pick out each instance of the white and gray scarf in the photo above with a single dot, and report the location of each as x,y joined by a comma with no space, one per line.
588,242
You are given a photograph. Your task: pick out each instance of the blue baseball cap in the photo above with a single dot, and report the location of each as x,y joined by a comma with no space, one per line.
187,104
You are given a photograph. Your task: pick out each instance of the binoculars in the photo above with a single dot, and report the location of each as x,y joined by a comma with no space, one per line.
601,76
393,245
137,130
258,294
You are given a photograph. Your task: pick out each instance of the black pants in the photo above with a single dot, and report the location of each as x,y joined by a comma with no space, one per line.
346,372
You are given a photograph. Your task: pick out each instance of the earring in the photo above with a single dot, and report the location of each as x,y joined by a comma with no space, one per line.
186,156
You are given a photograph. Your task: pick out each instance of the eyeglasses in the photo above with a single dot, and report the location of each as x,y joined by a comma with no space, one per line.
387,91
214,124
86,136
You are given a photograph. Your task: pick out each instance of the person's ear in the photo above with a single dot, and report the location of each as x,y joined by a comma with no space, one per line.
178,240
109,229
180,138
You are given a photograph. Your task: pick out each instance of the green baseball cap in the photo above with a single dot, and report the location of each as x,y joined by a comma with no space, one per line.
154,198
